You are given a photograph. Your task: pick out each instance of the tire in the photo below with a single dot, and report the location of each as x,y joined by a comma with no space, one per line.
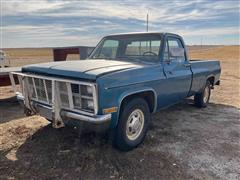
201,100
132,125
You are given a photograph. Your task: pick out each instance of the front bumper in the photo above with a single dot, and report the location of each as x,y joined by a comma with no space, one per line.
47,112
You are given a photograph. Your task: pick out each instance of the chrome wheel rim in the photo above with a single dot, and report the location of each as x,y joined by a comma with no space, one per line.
206,94
135,124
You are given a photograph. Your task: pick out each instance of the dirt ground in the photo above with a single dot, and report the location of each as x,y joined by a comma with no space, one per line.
183,142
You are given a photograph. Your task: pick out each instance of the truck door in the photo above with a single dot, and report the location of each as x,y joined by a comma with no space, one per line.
177,70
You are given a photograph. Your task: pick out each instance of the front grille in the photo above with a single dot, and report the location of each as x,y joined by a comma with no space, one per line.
49,90
69,95
63,93
40,89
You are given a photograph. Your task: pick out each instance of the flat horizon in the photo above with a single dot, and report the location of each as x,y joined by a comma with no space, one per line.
94,46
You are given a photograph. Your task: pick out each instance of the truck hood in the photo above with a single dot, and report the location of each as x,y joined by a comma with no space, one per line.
81,69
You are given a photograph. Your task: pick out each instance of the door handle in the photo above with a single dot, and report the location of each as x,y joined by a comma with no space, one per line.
187,65
169,72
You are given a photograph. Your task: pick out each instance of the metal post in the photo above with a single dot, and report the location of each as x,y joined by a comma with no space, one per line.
147,22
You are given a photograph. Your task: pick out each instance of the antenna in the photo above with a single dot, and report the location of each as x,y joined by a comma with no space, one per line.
147,22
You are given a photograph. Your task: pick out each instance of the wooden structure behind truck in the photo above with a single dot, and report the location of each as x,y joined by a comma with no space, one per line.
59,54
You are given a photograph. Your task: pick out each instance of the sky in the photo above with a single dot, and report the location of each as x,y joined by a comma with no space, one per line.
52,23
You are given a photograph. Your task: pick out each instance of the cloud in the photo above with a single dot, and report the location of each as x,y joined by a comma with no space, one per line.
211,31
56,22
166,11
16,7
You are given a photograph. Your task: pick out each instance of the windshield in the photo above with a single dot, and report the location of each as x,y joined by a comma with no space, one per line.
143,47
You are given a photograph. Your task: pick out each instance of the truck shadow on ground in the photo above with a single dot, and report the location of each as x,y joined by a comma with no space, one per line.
175,134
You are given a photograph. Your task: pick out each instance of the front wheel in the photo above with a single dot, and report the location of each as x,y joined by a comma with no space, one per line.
133,124
202,99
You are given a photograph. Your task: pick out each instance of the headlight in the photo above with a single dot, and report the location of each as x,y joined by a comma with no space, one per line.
87,104
76,101
90,104
83,97
86,90
89,90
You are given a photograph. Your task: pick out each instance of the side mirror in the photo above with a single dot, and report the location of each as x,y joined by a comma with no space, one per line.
176,52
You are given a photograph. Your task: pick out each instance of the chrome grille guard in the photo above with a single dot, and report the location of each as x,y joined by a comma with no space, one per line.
56,93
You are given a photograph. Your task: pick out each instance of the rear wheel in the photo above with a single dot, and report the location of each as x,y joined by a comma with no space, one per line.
202,99
133,124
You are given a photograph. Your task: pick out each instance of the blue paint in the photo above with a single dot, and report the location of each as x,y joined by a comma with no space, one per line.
170,82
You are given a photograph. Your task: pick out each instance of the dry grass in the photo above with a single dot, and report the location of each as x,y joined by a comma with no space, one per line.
229,56
24,56
222,53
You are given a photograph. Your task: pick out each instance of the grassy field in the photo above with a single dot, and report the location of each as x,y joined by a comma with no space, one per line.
184,142
20,57
229,56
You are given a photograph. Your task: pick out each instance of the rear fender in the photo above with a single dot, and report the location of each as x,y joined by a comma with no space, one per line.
210,77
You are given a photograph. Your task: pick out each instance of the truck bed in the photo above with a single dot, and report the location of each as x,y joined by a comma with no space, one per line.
202,69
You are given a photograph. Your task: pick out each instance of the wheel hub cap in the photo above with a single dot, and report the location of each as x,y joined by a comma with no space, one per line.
206,94
135,124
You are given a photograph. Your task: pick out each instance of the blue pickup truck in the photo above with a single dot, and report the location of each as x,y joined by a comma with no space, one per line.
126,78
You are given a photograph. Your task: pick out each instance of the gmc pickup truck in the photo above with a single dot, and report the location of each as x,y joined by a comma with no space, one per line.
125,79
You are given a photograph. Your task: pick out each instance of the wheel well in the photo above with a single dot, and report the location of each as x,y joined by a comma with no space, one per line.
148,96
211,80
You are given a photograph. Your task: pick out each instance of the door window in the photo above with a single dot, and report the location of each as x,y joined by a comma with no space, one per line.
171,44
165,54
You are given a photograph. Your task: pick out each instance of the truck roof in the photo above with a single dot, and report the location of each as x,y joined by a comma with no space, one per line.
142,33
